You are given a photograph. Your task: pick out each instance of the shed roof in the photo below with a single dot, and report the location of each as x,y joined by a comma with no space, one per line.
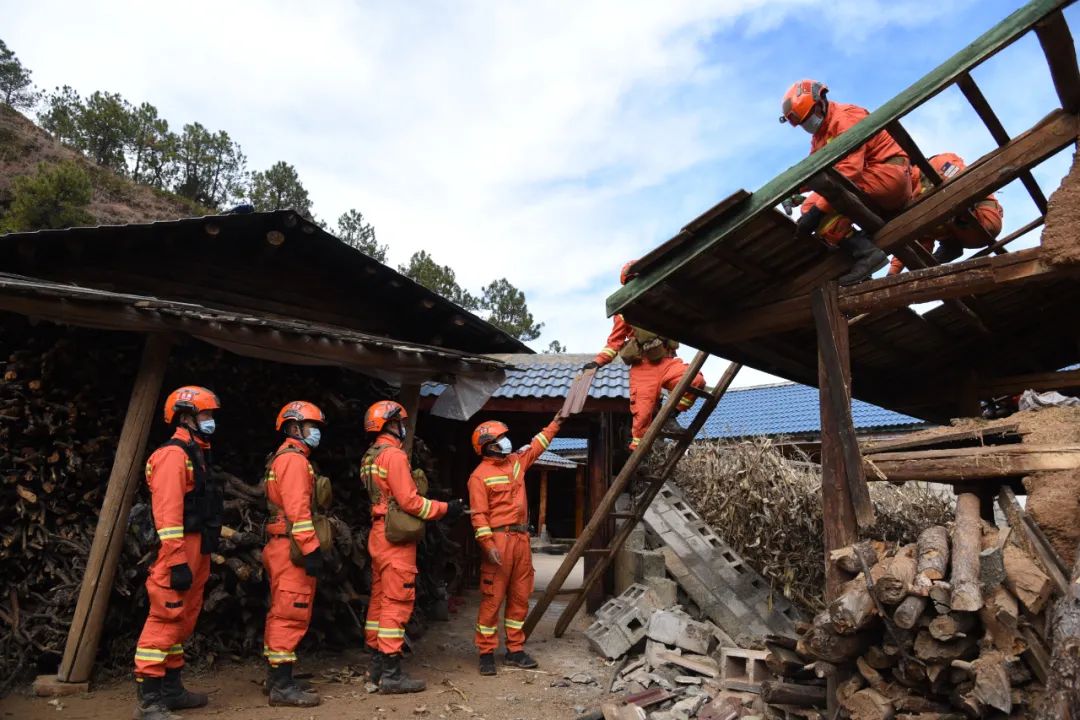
549,376
736,282
258,335
263,262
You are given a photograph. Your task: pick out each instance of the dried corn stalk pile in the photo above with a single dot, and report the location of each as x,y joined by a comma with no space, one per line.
768,508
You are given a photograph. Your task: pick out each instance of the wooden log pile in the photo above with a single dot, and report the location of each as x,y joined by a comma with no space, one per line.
62,402
949,626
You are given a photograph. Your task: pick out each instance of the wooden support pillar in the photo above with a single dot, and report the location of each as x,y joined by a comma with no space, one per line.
579,501
84,634
600,447
541,521
409,397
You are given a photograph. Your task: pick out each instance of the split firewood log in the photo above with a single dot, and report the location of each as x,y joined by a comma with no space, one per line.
966,545
897,576
853,609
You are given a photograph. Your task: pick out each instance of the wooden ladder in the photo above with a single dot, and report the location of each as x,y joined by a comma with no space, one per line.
605,509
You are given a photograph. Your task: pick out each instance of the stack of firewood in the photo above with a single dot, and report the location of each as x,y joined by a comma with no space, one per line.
950,625
62,403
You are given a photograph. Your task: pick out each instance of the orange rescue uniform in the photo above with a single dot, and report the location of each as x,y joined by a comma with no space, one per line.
647,379
500,518
290,483
393,565
879,168
170,475
961,230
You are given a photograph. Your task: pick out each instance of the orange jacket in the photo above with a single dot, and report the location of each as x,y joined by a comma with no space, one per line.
948,165
620,333
497,487
393,477
839,118
170,476
289,485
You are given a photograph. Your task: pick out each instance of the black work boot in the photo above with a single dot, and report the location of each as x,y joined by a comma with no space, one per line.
947,252
150,700
284,689
868,258
487,664
394,681
375,669
176,696
521,659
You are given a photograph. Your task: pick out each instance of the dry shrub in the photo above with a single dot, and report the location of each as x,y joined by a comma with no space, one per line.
768,509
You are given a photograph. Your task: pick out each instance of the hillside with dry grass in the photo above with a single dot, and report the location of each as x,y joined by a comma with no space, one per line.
115,200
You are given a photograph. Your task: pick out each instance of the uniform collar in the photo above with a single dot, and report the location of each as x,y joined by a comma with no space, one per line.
186,436
388,439
294,443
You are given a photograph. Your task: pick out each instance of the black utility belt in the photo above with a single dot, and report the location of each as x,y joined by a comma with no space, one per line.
511,528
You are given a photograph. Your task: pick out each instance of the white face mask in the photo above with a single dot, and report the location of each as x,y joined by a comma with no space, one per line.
502,446
314,435
813,122
207,427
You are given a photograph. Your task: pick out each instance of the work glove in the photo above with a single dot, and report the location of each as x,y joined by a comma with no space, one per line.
180,577
591,365
313,562
454,510
809,222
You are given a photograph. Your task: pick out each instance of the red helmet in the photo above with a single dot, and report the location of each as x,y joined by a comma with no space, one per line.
300,410
190,398
625,275
487,432
800,99
381,413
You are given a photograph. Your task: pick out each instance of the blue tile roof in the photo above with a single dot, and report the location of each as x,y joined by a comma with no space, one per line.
567,444
785,409
551,376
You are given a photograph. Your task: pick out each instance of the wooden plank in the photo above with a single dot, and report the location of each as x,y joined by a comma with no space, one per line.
941,282
599,475
900,134
578,393
829,323
409,397
1030,537
989,173
839,513
1015,234
990,119
961,465
787,183
647,261
839,191
84,634
1016,384
936,437
1057,44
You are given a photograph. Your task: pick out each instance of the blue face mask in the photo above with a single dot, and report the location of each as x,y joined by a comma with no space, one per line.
207,427
502,446
314,435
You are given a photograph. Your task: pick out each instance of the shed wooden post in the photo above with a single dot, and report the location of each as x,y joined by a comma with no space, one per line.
409,397
837,508
541,521
600,445
127,471
579,501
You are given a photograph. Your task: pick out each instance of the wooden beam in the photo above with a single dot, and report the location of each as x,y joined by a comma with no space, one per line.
84,634
1041,382
409,397
600,449
541,520
982,108
579,501
830,323
845,198
900,134
989,173
960,465
839,512
941,282
936,437
1057,44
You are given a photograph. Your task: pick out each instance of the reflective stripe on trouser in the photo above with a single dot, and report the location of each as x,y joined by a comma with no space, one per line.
292,595
646,381
173,613
393,590
512,581
888,185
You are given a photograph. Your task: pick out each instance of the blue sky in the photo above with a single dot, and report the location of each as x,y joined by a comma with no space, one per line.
547,142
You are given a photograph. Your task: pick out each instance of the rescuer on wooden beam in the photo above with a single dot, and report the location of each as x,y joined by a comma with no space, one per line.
880,168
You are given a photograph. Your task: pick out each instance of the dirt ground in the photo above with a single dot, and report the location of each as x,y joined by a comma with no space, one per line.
444,657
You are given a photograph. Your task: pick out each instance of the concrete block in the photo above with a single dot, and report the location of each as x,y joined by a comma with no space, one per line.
611,608
641,596
650,564
665,590
674,627
655,653
743,670
607,640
